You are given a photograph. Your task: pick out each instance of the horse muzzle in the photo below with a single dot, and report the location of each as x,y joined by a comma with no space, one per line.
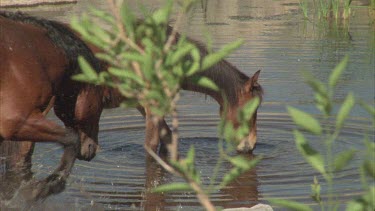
88,150
247,145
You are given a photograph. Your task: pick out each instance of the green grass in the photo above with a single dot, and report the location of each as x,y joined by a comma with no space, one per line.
329,9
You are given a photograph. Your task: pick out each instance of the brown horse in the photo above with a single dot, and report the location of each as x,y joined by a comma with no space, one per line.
237,87
37,59
31,75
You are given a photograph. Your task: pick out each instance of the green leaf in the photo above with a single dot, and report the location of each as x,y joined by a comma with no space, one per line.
177,186
126,74
205,82
290,205
323,103
105,78
81,77
157,111
365,202
311,155
190,156
249,109
214,58
231,175
195,67
336,73
128,19
241,132
181,53
355,205
305,120
102,15
132,56
316,85
368,108
229,131
344,110
87,68
161,16
315,189
155,95
342,159
147,67
369,166
105,57
75,23
239,161
241,165
369,197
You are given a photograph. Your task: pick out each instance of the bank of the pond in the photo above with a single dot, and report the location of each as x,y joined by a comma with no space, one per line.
23,3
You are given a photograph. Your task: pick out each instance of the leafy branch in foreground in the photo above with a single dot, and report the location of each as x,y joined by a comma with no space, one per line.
147,62
327,163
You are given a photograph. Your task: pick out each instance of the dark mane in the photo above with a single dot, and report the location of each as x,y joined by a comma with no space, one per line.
225,75
62,37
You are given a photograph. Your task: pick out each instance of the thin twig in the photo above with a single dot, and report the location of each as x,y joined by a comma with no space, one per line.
121,28
173,34
161,161
201,195
173,148
137,69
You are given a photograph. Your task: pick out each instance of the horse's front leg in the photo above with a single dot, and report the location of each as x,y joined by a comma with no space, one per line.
36,128
87,127
160,131
20,153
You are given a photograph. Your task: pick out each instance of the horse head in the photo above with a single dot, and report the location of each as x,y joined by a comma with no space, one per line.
250,89
88,109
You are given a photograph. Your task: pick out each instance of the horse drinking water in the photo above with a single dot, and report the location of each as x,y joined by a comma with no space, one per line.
238,89
38,66
37,59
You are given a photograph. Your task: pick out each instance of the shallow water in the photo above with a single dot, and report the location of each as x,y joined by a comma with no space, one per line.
278,41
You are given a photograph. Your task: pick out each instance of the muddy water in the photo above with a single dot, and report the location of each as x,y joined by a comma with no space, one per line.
279,42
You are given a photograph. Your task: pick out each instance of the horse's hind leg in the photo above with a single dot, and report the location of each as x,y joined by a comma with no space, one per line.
38,129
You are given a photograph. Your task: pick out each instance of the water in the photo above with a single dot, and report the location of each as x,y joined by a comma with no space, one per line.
280,43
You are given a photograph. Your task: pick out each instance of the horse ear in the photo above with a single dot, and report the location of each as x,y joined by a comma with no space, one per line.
252,81
255,77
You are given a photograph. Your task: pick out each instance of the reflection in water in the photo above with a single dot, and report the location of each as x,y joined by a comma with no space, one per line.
155,175
278,41
242,192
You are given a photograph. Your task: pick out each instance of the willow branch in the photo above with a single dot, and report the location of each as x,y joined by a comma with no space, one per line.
201,195
120,26
165,165
173,148
172,36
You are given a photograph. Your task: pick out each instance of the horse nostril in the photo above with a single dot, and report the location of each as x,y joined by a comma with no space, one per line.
90,148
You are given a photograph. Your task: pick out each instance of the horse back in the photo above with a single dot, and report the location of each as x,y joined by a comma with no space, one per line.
31,65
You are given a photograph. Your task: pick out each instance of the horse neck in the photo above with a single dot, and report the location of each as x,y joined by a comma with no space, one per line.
112,98
226,76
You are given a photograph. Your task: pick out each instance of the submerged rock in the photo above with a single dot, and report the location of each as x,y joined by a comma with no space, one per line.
258,207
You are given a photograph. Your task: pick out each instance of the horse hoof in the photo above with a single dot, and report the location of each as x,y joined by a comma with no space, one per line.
246,146
40,190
